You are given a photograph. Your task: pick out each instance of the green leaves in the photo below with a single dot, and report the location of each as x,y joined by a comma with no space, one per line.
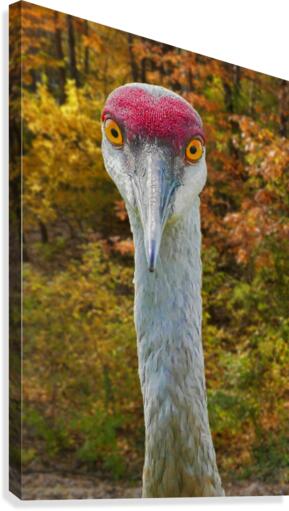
80,359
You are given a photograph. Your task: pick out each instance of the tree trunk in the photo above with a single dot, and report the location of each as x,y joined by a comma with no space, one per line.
143,70
86,50
72,51
284,108
60,56
43,232
232,91
252,111
133,64
190,80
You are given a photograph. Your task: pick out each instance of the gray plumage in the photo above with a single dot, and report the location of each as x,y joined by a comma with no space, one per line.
161,193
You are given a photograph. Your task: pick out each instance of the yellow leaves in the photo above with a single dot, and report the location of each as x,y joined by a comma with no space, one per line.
64,160
35,187
72,103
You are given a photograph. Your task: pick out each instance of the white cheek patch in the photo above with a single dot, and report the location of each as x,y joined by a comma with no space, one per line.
116,168
193,182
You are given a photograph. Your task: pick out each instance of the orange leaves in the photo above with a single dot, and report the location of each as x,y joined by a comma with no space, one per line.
275,162
124,247
255,222
92,41
247,229
118,245
263,196
263,212
120,210
266,152
199,101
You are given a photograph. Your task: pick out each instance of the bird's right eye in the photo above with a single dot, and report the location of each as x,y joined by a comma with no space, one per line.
113,132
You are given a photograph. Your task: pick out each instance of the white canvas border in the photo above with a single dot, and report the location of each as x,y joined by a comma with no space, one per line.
250,33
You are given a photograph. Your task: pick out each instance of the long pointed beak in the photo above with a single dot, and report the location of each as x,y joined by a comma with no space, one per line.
154,190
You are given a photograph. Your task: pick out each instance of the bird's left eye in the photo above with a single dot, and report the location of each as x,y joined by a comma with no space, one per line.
113,132
194,150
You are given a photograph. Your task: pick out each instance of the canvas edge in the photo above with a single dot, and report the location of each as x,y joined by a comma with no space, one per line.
15,251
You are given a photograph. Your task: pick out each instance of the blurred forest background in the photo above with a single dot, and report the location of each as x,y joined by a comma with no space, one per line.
82,403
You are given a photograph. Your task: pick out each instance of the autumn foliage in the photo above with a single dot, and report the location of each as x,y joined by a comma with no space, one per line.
82,401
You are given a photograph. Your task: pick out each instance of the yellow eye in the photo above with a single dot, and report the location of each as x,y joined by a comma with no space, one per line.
194,150
113,132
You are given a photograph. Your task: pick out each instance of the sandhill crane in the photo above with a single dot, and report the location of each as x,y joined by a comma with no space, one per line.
153,148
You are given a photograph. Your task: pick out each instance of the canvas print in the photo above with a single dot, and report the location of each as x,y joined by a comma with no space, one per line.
149,266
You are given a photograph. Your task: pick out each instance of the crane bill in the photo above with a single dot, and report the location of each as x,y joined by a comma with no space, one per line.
153,191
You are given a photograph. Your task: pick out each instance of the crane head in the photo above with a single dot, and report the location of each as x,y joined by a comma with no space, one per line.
153,147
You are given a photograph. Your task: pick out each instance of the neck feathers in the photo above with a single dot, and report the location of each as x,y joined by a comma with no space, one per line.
180,457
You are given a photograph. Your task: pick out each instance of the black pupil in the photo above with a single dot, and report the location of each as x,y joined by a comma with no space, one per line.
193,149
114,132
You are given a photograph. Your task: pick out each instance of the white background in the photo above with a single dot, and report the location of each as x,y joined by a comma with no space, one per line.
250,33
